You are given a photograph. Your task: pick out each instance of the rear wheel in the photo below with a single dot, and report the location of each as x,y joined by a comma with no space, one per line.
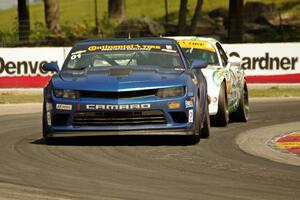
222,117
206,124
242,113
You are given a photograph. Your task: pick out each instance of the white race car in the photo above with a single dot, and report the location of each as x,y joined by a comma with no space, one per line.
226,81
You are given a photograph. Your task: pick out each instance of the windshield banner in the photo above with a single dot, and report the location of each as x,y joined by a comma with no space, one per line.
263,63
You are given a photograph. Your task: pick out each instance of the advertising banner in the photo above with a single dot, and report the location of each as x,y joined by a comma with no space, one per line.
21,67
263,63
268,63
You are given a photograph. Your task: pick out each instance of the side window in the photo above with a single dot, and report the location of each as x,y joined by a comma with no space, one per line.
223,55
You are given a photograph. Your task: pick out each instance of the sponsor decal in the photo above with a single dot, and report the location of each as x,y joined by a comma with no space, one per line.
189,104
218,77
267,62
123,47
174,105
196,44
77,54
117,107
63,107
191,116
22,68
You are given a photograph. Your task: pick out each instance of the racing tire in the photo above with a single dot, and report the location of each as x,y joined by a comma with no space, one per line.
242,112
206,124
222,116
195,137
45,128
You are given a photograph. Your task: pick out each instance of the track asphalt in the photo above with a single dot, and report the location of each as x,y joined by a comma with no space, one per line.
126,167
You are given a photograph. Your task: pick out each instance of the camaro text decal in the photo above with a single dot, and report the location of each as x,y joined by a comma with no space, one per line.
117,107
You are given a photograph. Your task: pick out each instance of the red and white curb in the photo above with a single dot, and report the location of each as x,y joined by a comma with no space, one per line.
261,142
289,143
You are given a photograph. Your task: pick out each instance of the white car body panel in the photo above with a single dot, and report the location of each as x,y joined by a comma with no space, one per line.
215,75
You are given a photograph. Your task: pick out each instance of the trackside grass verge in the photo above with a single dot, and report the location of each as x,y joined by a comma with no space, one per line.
36,97
274,92
20,97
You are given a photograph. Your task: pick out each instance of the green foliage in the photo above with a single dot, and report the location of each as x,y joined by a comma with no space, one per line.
107,27
78,18
8,38
40,32
78,30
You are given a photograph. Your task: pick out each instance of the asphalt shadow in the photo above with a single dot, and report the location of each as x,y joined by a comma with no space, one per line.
128,140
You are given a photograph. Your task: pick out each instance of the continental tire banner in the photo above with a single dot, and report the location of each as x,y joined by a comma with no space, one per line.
263,63
268,63
21,67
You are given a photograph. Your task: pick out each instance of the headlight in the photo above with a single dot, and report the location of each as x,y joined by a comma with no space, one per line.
171,92
68,94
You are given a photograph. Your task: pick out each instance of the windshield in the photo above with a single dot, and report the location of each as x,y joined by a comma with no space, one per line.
208,56
133,55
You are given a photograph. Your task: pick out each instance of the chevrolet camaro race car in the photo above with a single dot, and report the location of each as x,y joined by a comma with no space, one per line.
126,86
226,81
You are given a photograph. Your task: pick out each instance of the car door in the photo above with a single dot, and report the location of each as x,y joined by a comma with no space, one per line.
230,75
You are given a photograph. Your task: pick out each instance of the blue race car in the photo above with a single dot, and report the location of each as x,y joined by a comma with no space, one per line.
140,86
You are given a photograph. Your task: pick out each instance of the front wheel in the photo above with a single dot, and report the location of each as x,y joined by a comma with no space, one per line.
242,112
222,117
206,124
46,132
195,138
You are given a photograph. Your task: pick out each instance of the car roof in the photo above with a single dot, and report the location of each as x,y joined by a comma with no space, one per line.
206,39
167,41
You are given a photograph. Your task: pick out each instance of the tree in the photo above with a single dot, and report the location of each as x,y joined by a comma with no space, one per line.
235,26
116,9
166,12
52,15
196,17
23,19
182,17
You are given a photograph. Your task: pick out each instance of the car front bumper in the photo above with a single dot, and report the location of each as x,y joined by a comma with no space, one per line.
61,117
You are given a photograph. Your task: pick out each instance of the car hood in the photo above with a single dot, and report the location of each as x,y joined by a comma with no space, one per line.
120,79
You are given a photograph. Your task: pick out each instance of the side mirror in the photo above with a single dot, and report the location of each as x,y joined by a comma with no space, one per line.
198,64
234,61
51,67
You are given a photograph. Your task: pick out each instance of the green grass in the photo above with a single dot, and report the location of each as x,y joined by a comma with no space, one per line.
77,11
20,97
275,92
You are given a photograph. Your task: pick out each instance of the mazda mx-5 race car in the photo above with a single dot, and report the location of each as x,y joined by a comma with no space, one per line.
227,86
126,86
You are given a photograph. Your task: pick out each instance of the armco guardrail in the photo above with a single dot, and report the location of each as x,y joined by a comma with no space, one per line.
263,63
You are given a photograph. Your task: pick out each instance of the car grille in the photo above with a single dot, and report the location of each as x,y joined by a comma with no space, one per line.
117,95
119,118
